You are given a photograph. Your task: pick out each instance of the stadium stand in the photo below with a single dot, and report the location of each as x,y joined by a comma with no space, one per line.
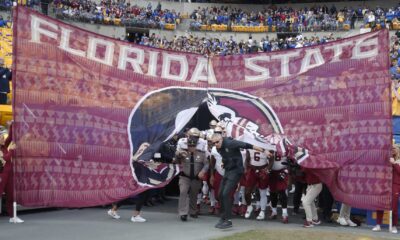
117,13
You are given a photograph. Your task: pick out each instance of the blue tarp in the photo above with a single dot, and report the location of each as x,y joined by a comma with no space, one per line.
396,129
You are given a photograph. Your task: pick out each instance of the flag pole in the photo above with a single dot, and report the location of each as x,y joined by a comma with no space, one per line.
14,12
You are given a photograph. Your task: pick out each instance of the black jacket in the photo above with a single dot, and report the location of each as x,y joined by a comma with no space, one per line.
231,155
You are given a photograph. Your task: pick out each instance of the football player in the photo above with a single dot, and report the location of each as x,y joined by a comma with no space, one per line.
257,175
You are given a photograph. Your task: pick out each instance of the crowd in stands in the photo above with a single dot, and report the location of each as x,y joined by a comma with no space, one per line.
394,55
271,19
288,19
222,47
117,12
6,39
6,5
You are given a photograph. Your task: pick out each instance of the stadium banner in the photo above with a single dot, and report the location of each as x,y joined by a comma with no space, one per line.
91,111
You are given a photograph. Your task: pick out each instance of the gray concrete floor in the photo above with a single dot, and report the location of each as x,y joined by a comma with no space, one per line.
163,224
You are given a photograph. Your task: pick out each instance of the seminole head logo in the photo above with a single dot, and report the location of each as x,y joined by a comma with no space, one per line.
245,117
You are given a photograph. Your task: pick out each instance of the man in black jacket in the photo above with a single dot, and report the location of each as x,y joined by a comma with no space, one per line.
232,160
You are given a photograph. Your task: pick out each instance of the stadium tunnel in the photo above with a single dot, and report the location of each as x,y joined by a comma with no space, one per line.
200,120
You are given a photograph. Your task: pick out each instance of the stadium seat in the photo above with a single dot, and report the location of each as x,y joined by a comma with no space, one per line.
6,46
117,21
5,114
8,62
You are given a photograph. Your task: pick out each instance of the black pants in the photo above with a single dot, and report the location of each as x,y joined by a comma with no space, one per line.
300,187
3,98
140,200
228,185
282,198
326,202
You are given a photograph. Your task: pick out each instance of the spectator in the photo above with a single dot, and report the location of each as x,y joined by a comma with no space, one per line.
136,217
344,216
7,174
395,162
396,97
313,189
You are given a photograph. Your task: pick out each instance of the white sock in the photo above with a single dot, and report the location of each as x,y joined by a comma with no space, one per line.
205,188
242,197
263,199
274,211
258,205
199,196
236,198
284,212
212,198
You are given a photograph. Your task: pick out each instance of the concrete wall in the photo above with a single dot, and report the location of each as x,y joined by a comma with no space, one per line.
110,31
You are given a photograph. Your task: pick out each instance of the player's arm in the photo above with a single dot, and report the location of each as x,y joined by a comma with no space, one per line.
212,164
212,169
271,161
239,144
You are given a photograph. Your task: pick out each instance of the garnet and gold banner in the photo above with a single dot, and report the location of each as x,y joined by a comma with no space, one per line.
87,106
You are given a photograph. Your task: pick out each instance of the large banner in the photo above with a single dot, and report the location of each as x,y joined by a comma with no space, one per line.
90,111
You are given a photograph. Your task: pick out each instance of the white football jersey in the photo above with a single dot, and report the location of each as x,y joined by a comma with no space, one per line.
278,164
257,159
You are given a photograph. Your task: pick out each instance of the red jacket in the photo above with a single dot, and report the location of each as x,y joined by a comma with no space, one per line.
396,173
7,154
310,177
